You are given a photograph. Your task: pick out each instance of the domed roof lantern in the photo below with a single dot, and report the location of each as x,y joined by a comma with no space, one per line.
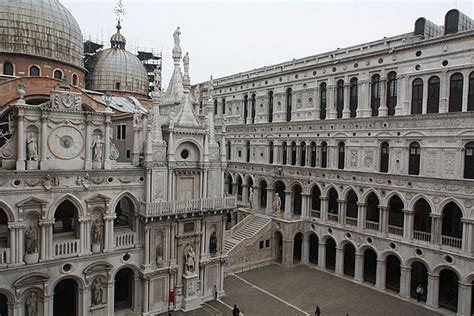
118,40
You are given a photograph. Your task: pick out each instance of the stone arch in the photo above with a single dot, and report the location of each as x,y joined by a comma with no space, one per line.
392,194
441,206
325,238
348,241
346,191
384,254
8,292
295,183
131,266
366,194
81,284
416,198
191,141
275,181
312,185
411,260
74,200
442,266
364,247
8,211
328,188
120,196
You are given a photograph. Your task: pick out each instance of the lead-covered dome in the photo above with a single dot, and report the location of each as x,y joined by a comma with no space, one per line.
43,28
116,69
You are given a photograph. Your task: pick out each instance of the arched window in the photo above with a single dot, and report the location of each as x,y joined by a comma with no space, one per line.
34,71
324,155
284,153
124,212
417,96
74,80
247,146
341,155
263,194
270,106
253,101
384,156
470,95
58,74
303,154
433,95
229,151
354,95
246,108
455,92
8,69
215,106
293,154
312,148
340,98
223,105
375,95
391,92
452,225
289,100
469,161
270,153
414,159
322,101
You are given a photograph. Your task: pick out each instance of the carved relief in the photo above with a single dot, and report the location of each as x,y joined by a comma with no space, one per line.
368,159
449,159
354,158
431,167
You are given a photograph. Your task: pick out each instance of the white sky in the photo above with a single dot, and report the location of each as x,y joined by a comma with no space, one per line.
227,37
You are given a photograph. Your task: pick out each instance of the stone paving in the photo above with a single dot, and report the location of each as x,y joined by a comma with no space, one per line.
303,288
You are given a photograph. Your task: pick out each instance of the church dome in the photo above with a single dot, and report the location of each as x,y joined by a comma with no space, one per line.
43,28
116,69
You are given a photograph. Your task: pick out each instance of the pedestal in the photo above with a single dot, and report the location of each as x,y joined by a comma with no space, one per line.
192,286
32,165
96,248
96,165
31,258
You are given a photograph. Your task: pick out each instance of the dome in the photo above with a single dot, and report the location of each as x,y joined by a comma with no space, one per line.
43,28
116,69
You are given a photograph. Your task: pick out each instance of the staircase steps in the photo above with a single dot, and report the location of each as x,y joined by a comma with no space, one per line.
248,231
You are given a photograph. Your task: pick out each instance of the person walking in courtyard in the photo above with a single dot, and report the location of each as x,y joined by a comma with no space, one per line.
317,312
235,311
419,292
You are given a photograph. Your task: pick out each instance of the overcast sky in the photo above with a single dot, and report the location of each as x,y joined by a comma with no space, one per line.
227,37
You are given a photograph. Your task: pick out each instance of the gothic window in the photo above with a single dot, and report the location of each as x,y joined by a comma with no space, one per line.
270,153
246,109
375,95
417,96
215,106
229,151
353,97
384,156
223,106
470,95
8,69
270,106
74,80
293,154
340,98
247,145
284,152
322,100
341,155
303,154
391,92
254,100
469,161
414,159
455,92
34,71
58,74
289,101
433,95
324,155
313,154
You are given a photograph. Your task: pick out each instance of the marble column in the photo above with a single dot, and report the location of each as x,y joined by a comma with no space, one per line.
361,214
381,274
322,255
305,211
464,297
339,261
359,268
146,261
109,233
44,141
146,290
270,195
443,92
402,93
324,208
408,222
288,204
287,260
346,112
331,101
383,225
383,109
436,221
405,281
341,207
363,99
107,140
305,250
88,149
467,235
21,142
433,290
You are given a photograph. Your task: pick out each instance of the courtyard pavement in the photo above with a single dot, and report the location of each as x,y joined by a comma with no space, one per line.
274,290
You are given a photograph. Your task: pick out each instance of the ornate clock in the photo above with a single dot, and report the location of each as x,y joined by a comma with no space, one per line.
66,142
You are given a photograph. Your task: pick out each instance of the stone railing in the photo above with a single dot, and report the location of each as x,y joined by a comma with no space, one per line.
333,217
451,241
66,248
424,236
395,230
124,240
316,213
4,256
182,207
372,225
351,221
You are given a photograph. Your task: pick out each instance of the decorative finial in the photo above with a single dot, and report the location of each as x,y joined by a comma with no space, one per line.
64,83
20,88
108,101
119,11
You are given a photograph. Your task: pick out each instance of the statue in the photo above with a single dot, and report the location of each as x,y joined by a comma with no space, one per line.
157,82
176,35
210,88
197,93
97,232
190,258
186,63
98,149
32,304
97,292
32,148
251,199
31,241
172,119
159,252
277,204
213,243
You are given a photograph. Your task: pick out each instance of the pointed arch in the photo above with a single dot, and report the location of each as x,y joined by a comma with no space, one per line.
66,197
113,204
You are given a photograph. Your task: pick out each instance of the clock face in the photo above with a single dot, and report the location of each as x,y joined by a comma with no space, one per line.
66,142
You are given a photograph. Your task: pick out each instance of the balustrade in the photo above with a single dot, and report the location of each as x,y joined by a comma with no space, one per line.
424,236
333,217
315,213
371,225
351,221
124,240
451,241
4,256
177,207
66,248
395,230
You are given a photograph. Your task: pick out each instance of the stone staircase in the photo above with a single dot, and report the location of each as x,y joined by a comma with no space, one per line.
253,225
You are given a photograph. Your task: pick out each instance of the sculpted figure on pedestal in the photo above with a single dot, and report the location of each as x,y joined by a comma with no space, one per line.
190,259
32,304
251,199
32,148
31,240
97,232
97,292
98,149
277,204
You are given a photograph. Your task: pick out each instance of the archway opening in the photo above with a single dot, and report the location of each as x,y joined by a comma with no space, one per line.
419,277
4,234
330,254
228,183
65,301
448,290
3,305
279,188
315,202
123,294
422,220
373,212
263,194
370,266
124,212
395,216
239,188
333,209
250,187
313,248
297,243
352,208
297,200
349,259
278,244
392,280
65,219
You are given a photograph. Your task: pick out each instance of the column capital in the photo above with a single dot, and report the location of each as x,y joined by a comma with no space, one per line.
408,212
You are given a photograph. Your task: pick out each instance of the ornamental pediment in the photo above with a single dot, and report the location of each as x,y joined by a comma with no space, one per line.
64,100
98,199
31,202
31,279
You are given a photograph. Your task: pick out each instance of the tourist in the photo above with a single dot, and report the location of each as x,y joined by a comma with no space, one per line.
317,312
235,311
419,292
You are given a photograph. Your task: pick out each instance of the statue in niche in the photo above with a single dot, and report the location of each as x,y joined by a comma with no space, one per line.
32,148
31,240
277,204
176,35
97,235
186,63
190,259
251,199
98,149
31,303
213,243
159,250
97,292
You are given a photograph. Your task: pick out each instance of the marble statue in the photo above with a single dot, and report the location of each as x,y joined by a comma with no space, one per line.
190,260
32,148
98,149
186,63
213,243
97,235
210,88
172,119
251,199
97,292
176,35
32,304
31,240
159,252
277,204
197,93
157,81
